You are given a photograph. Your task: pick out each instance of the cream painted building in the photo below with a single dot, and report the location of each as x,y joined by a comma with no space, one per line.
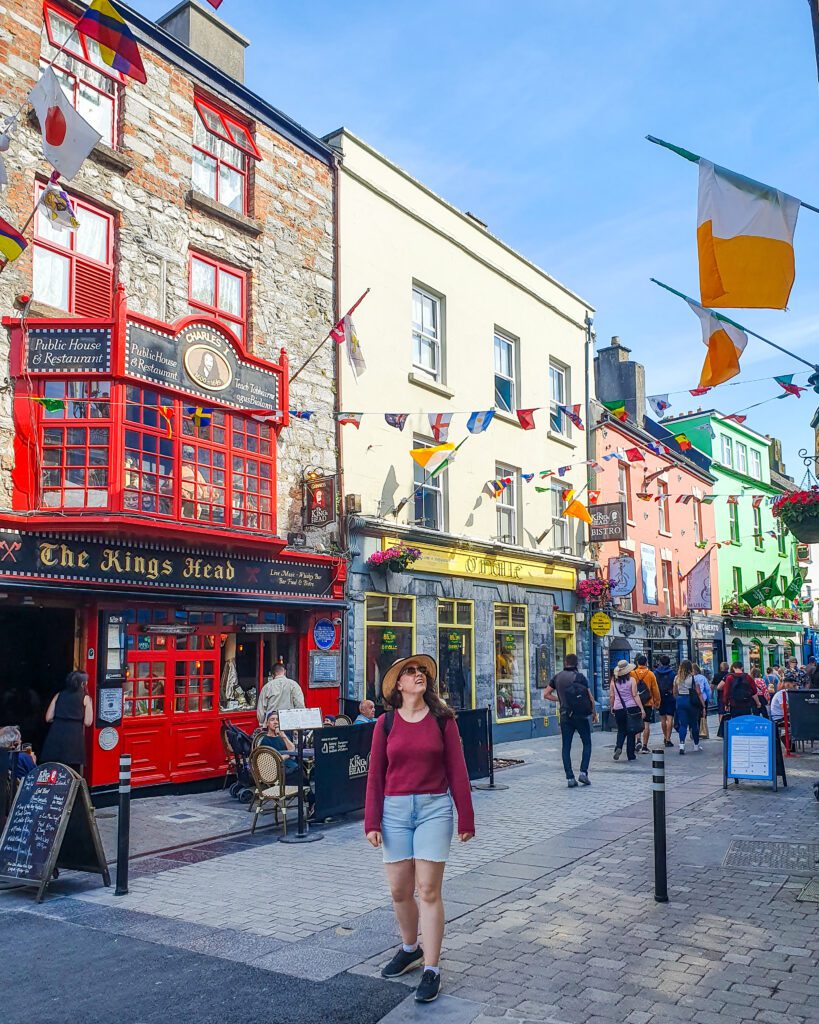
456,322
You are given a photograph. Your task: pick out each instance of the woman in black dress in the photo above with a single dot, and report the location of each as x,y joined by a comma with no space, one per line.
70,713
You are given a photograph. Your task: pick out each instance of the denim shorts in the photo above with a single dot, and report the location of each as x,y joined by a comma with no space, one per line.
417,827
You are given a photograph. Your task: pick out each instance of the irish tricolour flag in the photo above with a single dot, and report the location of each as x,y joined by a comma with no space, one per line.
745,241
433,459
725,343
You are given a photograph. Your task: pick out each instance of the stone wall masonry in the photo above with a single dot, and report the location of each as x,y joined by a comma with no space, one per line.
290,262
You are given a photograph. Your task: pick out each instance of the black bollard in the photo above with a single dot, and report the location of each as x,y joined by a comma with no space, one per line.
302,834
123,824
491,784
658,794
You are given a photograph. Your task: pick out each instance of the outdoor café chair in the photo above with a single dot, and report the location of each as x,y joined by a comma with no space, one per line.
343,720
230,757
269,785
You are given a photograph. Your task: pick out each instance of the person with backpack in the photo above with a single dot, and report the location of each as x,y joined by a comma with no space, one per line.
571,690
701,679
417,770
739,693
625,701
664,674
649,693
690,704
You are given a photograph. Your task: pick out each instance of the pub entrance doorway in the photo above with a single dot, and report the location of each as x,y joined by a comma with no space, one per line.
36,654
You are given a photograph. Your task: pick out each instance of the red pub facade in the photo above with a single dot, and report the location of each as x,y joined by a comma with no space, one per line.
149,468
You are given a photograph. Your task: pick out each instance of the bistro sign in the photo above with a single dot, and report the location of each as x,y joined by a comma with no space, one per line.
200,361
608,522
52,558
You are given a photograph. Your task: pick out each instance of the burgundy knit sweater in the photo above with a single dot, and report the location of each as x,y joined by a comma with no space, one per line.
415,758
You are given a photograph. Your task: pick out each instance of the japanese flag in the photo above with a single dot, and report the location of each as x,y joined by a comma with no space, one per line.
67,137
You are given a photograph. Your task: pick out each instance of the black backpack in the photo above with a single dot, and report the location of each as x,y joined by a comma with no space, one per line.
389,718
643,692
741,691
577,700
665,681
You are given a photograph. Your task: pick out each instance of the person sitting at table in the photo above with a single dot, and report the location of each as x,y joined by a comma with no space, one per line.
366,713
281,742
328,720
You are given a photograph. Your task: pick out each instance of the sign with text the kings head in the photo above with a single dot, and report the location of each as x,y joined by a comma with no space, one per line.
608,522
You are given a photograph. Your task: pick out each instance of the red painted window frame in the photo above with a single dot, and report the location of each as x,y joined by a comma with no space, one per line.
228,319
78,49
75,258
226,120
119,426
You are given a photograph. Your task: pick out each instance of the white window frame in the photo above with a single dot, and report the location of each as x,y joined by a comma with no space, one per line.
664,512
756,465
759,539
423,484
561,534
742,458
624,489
698,531
502,340
666,577
426,335
733,523
726,450
508,506
558,423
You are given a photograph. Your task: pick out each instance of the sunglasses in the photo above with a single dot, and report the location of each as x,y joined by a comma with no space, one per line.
413,670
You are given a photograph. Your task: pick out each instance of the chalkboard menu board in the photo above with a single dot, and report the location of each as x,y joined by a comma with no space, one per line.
803,714
51,825
68,350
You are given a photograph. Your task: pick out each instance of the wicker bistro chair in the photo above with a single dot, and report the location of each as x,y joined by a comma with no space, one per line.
230,757
343,720
267,769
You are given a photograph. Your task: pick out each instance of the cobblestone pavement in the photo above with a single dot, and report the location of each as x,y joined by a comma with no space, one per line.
551,908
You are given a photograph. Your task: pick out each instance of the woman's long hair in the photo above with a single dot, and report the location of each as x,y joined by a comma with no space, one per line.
433,701
75,682
685,670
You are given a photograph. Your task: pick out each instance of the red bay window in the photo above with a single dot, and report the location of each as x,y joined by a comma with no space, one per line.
219,290
76,445
222,149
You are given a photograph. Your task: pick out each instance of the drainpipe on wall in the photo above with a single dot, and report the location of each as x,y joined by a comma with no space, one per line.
595,660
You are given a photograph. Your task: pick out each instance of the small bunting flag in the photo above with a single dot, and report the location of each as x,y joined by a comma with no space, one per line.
301,414
696,392
563,470
526,418
737,418
733,499
756,501
573,414
788,386
166,412
659,404
542,490
439,425
708,499
479,421
49,404
705,428
683,441
684,499
577,510
655,448
634,455
594,497
644,496
547,472
201,417
617,409
352,419
528,477
12,242
567,493
396,419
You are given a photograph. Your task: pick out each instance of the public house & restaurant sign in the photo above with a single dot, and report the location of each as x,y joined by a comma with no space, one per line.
142,542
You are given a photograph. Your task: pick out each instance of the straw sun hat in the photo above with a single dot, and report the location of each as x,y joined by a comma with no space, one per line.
394,671
623,668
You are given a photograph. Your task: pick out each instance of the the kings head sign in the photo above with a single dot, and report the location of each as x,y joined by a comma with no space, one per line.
201,361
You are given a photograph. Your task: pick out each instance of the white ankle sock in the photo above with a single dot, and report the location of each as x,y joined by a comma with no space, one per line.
435,970
409,949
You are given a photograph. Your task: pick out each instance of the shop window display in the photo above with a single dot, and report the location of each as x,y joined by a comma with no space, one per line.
511,662
390,630
455,652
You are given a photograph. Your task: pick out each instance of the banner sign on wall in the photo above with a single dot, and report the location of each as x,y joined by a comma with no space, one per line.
648,572
622,575
698,584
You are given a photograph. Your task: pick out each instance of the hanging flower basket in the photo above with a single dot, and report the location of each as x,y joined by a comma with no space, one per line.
395,559
799,511
594,590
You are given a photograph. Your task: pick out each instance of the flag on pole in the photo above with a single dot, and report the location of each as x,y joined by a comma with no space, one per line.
698,586
67,137
352,419
479,421
683,442
577,510
788,386
12,242
439,425
526,418
763,591
617,409
634,455
432,460
355,356
659,404
396,419
745,241
57,207
118,48
594,497
794,588
725,344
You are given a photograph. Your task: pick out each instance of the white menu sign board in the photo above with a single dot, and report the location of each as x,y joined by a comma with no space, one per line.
300,718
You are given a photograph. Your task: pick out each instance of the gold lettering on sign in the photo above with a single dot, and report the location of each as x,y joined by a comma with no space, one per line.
61,556
199,569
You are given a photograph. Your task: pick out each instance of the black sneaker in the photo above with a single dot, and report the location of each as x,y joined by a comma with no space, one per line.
617,752
403,962
584,779
668,743
427,991
571,783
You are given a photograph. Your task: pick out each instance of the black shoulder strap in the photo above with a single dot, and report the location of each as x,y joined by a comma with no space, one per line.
389,717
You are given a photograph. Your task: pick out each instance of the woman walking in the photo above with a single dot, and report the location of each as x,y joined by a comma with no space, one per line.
70,713
690,704
416,762
628,708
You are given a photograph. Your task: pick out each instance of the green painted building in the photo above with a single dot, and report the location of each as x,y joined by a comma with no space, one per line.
759,546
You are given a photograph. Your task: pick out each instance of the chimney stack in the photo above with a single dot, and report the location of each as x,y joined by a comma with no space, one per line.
618,377
201,31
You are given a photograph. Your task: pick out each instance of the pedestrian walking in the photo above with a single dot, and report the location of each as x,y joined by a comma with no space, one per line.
70,714
278,693
701,680
664,674
628,708
571,690
417,769
690,705
739,693
649,692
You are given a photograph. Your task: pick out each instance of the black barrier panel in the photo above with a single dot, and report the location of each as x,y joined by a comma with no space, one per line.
803,714
340,769
474,729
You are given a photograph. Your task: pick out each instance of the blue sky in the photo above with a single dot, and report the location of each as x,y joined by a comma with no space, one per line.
532,114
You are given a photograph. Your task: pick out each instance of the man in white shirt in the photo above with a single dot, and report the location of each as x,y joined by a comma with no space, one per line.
278,693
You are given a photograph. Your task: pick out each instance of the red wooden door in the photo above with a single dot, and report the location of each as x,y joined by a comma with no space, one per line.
146,711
